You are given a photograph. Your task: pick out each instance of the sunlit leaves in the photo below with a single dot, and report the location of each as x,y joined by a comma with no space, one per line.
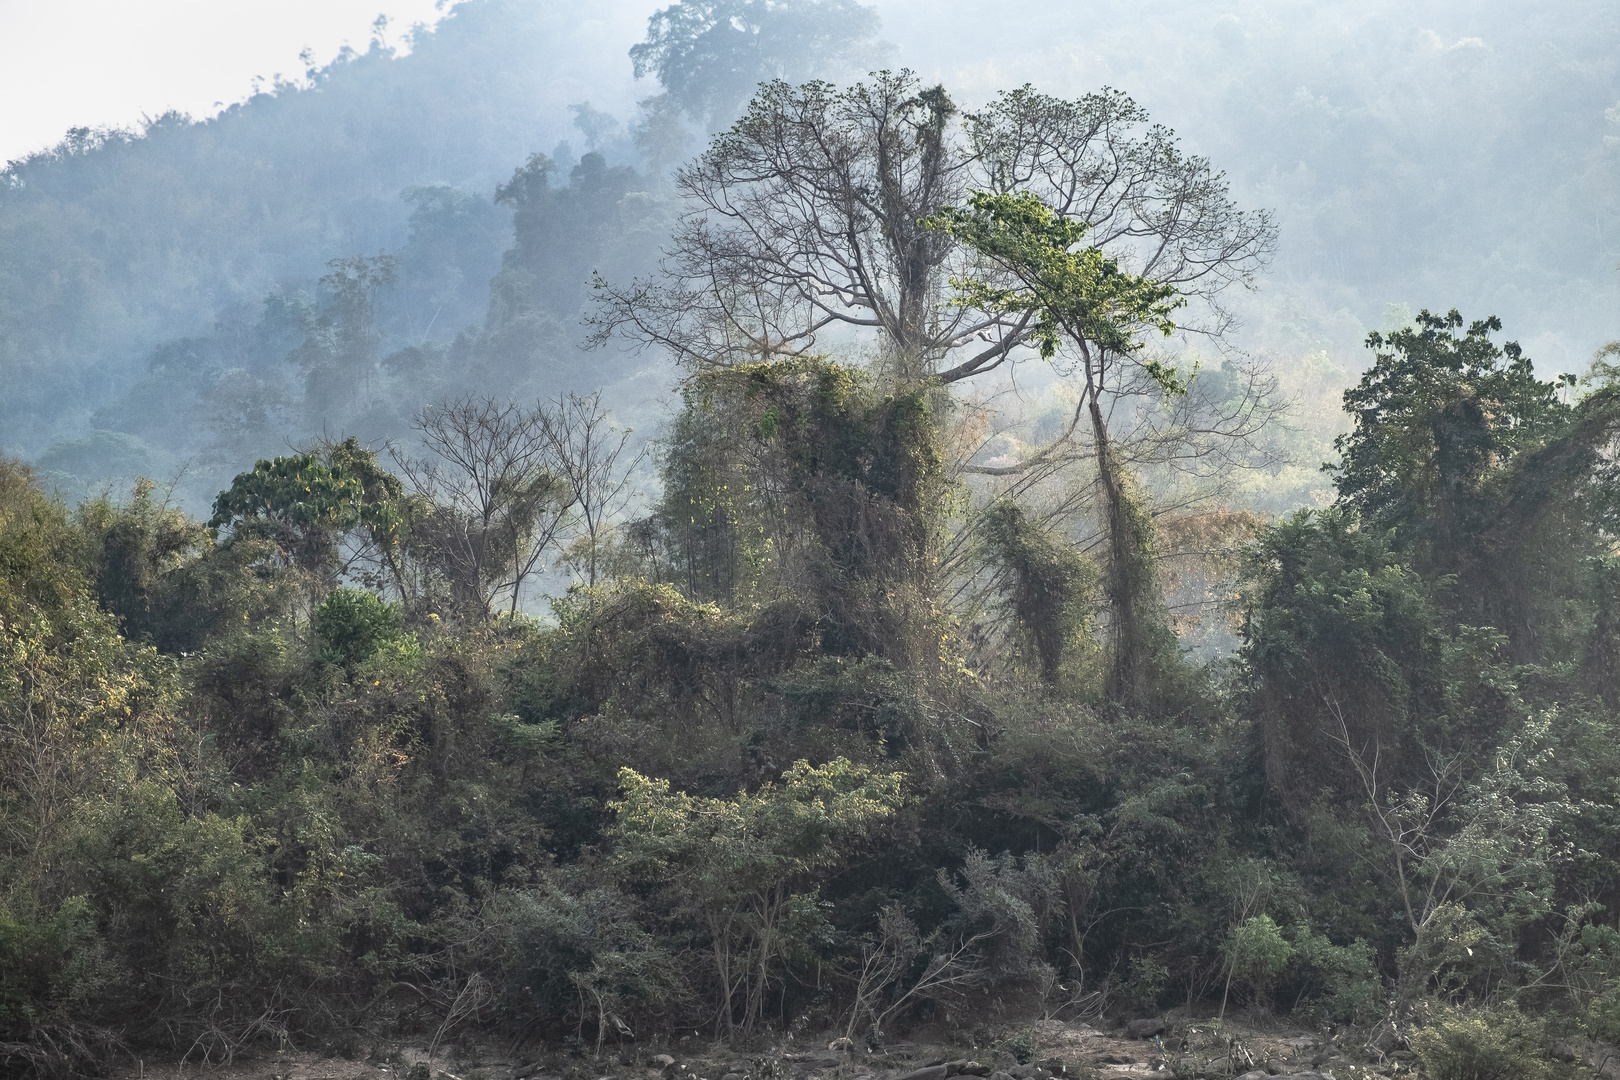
1073,289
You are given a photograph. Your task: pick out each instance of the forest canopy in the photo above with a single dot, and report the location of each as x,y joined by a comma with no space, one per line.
265,773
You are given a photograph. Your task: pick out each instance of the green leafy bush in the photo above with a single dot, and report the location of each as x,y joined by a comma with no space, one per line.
744,867
1482,1044
1256,955
354,626
1338,983
47,963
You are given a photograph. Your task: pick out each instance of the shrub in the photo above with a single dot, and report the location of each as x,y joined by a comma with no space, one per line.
354,625
748,869
578,951
1257,953
1338,983
1481,1044
47,961
1020,1045
1146,981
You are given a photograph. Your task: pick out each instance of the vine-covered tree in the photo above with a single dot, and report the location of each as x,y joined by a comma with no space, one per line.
952,247
807,215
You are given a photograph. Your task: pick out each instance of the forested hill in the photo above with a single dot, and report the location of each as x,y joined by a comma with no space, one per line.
154,286
115,244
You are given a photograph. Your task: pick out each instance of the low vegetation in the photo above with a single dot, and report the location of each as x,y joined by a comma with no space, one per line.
303,774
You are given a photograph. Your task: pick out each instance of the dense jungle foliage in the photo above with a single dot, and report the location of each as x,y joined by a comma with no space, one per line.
881,689
300,773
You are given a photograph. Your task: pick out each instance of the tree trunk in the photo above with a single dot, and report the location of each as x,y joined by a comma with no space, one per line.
1129,578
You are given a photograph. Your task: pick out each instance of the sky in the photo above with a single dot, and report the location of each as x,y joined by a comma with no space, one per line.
96,63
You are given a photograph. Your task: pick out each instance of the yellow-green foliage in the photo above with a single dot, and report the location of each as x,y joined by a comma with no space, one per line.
801,824
742,867
1482,1044
1256,953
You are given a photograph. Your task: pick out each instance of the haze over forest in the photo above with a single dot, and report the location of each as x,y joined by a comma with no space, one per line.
616,539
152,283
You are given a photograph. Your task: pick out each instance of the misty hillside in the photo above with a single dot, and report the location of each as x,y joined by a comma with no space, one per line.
153,285
119,246
1410,149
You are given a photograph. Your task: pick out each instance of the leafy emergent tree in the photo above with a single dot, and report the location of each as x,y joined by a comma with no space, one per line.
660,137
1435,416
1073,296
309,504
339,351
1479,467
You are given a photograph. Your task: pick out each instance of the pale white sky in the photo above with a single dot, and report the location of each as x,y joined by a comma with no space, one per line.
94,63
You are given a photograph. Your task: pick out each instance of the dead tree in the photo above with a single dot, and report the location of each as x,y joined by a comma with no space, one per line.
495,499
588,454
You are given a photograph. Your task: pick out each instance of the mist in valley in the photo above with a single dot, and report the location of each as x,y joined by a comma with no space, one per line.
170,295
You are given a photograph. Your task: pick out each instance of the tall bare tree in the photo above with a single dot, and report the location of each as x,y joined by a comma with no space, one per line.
805,217
588,452
496,501
816,221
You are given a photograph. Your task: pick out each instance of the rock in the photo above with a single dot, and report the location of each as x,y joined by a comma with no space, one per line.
1001,1076
929,1072
964,1067
663,1061
1255,1074
733,1076
1144,1029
